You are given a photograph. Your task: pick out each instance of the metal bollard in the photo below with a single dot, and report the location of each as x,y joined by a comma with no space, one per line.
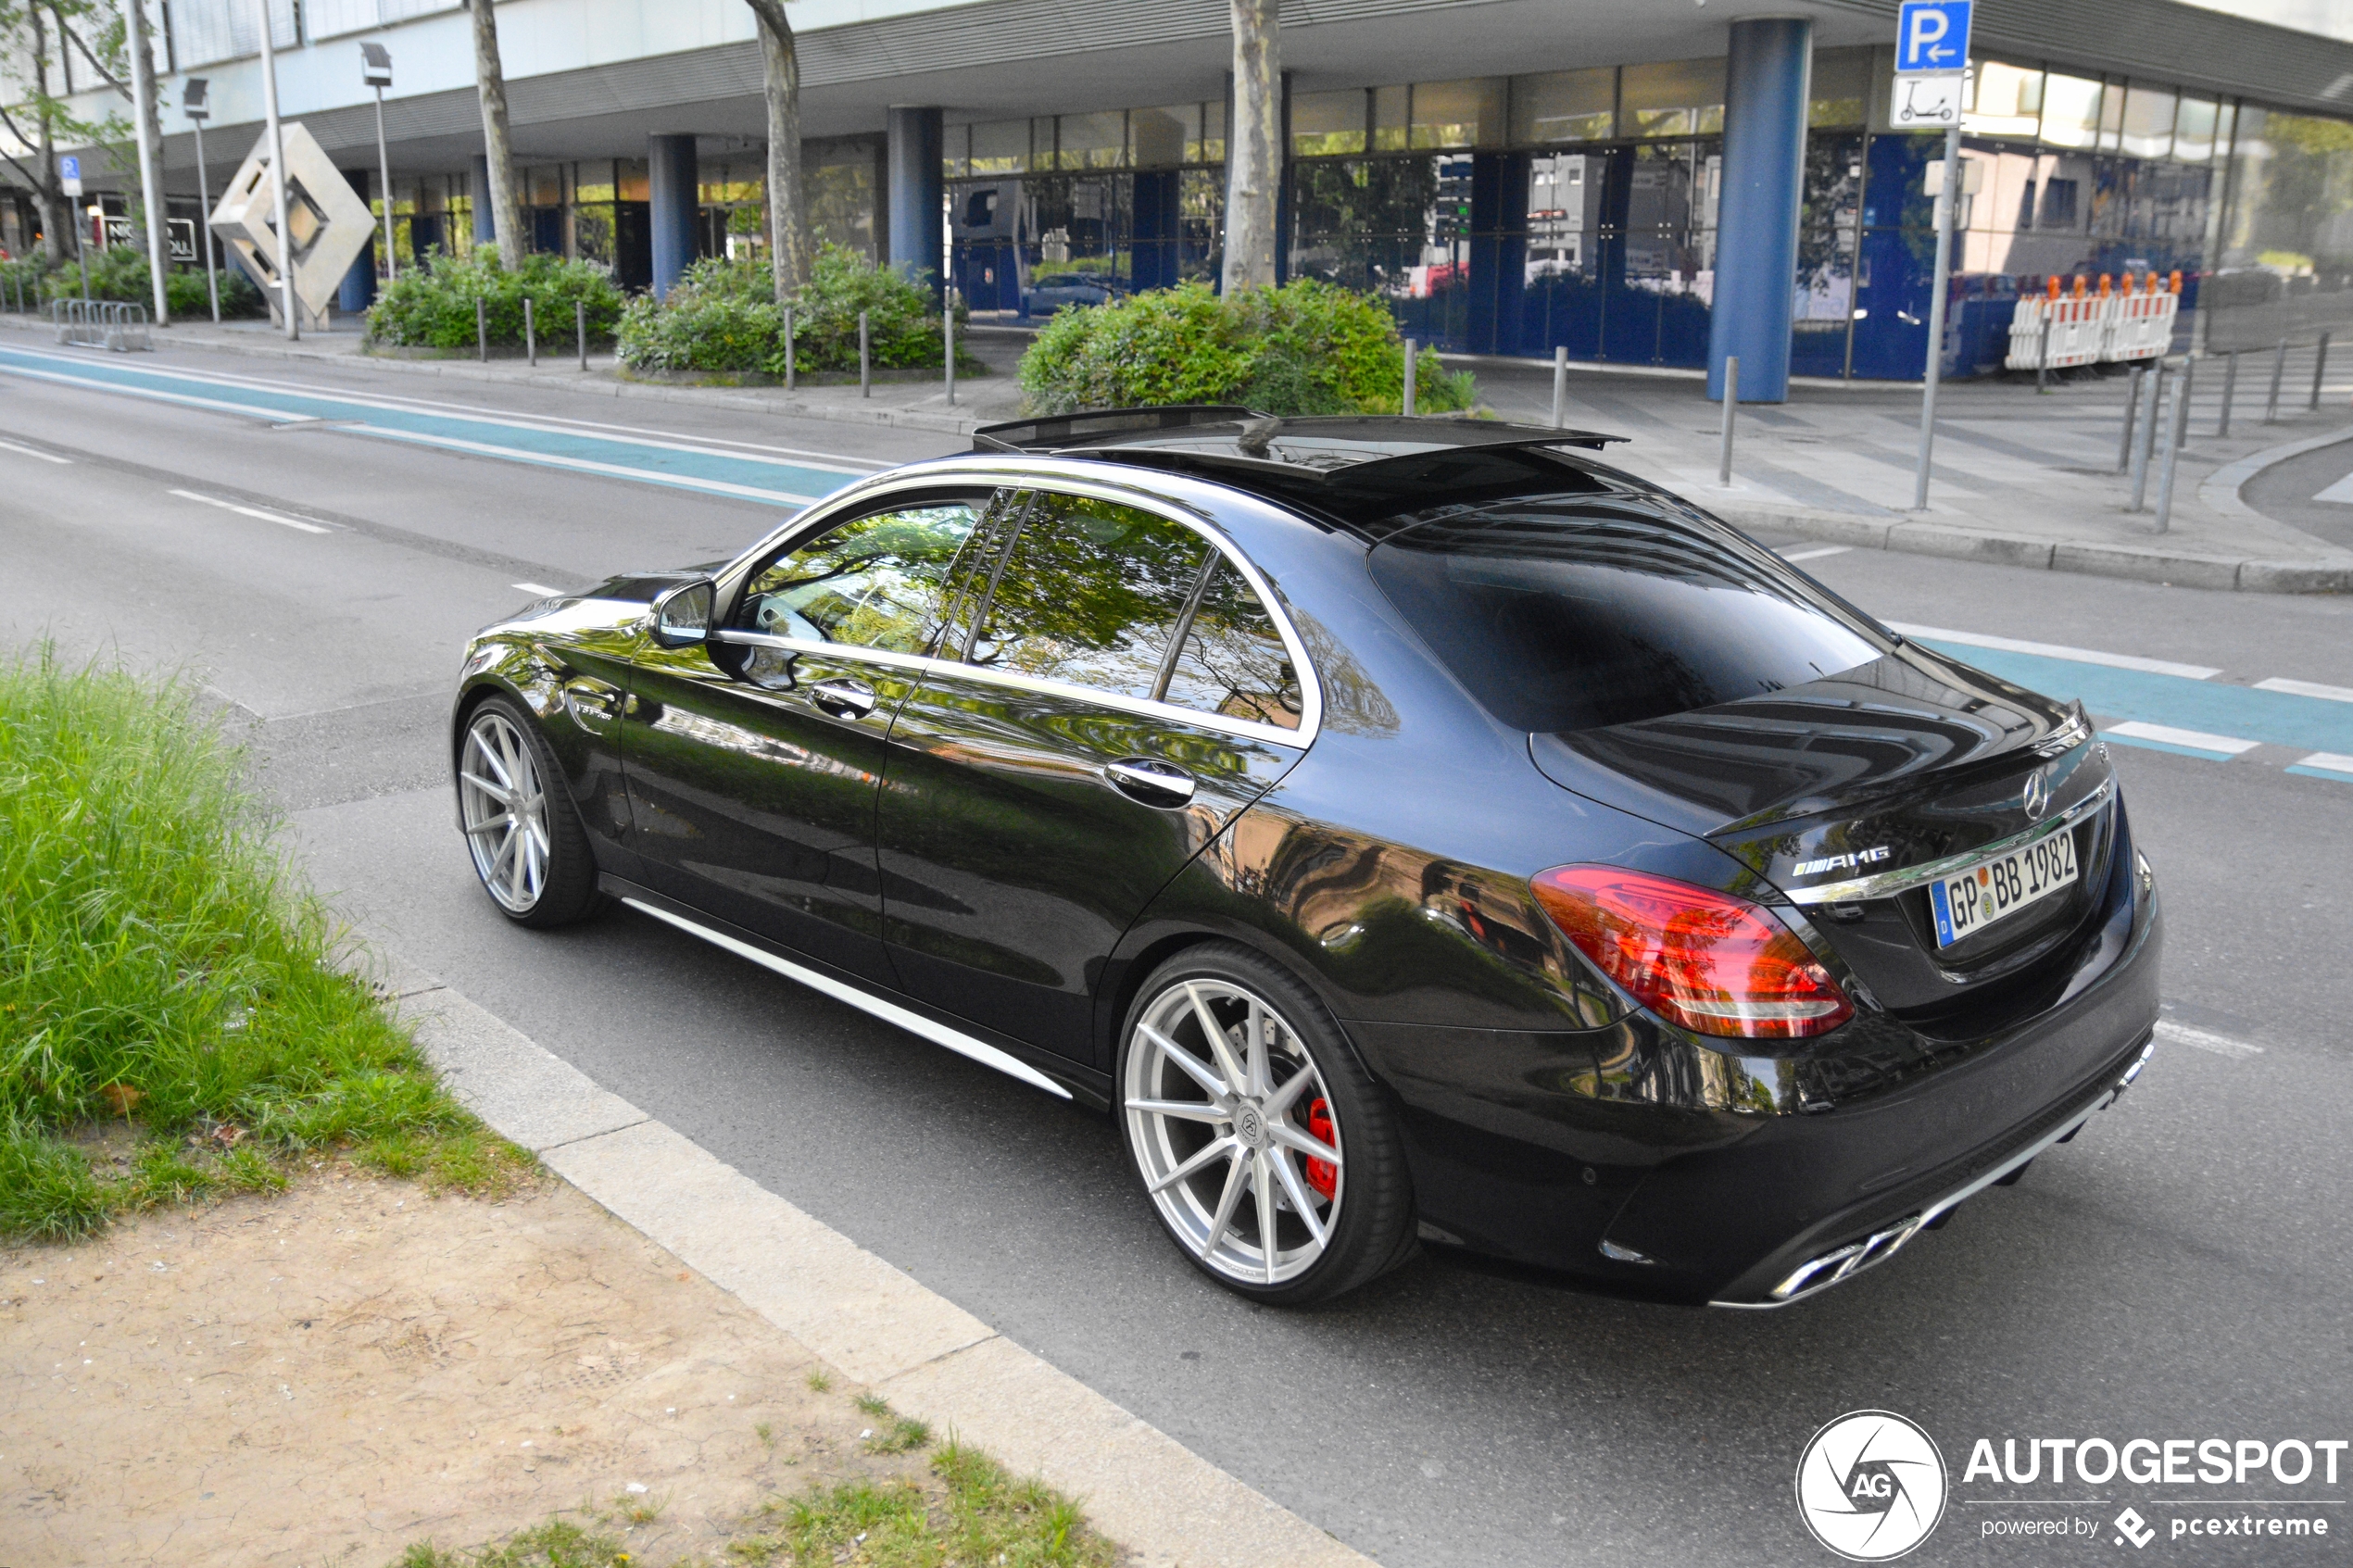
2148,447
2319,369
1412,352
580,329
2230,391
2175,436
788,350
2132,379
865,364
482,332
1731,406
948,342
1560,387
530,335
2279,372
2043,358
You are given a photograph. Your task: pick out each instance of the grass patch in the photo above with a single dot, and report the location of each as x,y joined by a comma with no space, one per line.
986,1517
818,1382
558,1543
161,968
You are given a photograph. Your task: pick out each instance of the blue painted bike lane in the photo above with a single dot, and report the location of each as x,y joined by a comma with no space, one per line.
646,459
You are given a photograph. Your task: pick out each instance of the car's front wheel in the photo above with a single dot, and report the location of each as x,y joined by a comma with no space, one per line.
1269,1155
526,840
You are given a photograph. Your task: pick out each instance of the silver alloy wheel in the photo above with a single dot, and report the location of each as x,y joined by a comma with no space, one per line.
505,809
1221,1096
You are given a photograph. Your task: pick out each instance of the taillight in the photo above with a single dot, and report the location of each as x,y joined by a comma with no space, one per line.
1711,962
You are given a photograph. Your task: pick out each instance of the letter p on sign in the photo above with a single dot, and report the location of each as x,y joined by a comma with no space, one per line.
1932,36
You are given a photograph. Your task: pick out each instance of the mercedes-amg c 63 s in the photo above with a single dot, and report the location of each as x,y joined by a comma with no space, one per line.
1405,829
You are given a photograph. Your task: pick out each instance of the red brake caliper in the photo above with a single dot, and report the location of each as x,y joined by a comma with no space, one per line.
1322,1175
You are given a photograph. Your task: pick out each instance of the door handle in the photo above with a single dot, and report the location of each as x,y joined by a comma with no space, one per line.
855,698
1153,782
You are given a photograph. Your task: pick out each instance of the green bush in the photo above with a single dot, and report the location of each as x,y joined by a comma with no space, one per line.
1308,347
160,965
190,302
432,305
120,272
723,314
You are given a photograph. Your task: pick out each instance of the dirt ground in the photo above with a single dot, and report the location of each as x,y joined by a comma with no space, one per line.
326,1377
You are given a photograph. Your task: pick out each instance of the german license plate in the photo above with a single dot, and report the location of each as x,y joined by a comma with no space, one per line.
1998,888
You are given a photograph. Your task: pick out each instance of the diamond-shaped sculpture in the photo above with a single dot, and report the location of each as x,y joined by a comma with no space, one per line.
331,225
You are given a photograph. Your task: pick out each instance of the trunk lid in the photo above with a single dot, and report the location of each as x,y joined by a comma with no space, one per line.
1851,793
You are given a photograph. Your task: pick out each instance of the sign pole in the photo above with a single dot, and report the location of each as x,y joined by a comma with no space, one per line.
69,178
1948,200
204,224
278,173
384,177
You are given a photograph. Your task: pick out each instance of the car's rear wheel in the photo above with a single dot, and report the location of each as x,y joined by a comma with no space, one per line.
526,840
1270,1157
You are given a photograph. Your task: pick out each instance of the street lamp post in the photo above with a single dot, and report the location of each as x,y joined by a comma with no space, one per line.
196,104
278,172
375,70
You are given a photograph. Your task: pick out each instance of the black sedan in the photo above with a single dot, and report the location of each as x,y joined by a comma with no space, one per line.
1408,830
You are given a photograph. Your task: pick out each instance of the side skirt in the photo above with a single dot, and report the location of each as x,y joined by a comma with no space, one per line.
1041,1070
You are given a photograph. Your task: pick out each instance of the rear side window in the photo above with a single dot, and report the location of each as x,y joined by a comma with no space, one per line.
1232,660
1090,595
1560,614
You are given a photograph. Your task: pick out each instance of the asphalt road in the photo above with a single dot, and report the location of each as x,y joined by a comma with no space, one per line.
2313,491
2179,1272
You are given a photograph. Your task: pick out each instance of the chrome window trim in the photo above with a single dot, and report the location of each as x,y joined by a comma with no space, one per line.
1882,885
1241,729
1018,475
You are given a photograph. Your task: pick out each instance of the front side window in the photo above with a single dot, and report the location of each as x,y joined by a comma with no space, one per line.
875,581
1090,595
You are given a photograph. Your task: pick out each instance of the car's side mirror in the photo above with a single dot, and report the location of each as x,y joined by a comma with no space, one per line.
682,615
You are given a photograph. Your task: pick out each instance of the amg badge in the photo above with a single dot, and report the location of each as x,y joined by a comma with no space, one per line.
1854,861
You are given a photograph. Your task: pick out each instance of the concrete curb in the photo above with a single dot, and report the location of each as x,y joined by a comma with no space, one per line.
2143,563
930,1358
2219,491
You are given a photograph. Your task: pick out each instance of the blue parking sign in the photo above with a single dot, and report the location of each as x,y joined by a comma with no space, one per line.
69,168
1932,36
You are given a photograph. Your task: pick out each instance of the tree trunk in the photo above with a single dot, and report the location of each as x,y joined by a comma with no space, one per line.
506,208
788,248
1255,156
154,214
48,191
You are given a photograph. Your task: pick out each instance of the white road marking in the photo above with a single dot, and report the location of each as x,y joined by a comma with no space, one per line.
2057,650
2306,688
35,452
2327,761
2166,735
541,589
252,511
2341,491
1816,555
583,465
2206,1040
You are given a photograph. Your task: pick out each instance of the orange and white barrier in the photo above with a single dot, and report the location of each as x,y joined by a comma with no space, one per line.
2113,325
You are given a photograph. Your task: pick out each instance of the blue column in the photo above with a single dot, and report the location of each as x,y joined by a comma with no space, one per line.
670,162
1498,251
1159,229
359,288
1764,96
916,188
486,213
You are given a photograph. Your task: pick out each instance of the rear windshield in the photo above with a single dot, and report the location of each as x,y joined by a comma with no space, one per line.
1565,612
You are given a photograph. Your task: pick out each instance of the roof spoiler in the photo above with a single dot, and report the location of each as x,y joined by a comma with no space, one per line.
1063,430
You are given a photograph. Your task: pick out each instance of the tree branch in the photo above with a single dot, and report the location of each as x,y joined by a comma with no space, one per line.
88,54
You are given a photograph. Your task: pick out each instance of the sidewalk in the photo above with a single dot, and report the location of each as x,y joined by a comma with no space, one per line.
2021,479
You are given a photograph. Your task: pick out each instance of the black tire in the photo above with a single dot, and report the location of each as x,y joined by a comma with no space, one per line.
1369,1187
565,888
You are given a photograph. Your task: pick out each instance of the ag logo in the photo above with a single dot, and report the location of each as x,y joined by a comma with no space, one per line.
1871,1485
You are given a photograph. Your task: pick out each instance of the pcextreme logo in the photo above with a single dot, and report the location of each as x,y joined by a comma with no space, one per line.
1871,1485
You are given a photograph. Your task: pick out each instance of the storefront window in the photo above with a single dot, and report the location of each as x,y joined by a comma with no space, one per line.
2148,122
1841,90
1164,137
1564,105
1092,140
2070,111
1674,98
1323,124
2007,102
1393,109
1459,114
1000,147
